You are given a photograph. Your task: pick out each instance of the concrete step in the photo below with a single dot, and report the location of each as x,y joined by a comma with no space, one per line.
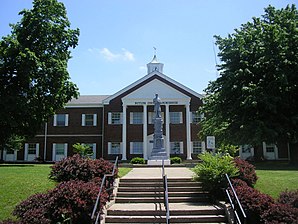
161,219
156,180
161,193
159,199
158,184
159,189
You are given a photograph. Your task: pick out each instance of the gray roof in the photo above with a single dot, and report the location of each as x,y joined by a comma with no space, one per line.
87,100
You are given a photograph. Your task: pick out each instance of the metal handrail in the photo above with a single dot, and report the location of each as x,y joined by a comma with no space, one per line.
103,183
166,193
236,205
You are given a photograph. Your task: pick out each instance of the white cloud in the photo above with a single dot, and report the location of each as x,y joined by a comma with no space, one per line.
125,55
142,68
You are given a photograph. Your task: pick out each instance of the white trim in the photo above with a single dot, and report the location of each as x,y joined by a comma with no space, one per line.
70,135
110,118
37,150
26,151
131,147
84,106
55,120
181,147
144,78
124,107
94,150
109,147
203,146
167,145
54,152
83,119
66,119
131,118
94,119
188,133
145,140
65,149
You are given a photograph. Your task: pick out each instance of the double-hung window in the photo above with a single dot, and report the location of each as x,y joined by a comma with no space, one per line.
115,118
176,117
89,119
197,147
114,148
61,120
196,117
176,147
136,117
136,148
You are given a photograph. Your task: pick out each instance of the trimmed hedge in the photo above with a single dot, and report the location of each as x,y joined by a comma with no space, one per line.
289,198
73,200
247,171
137,160
78,168
176,160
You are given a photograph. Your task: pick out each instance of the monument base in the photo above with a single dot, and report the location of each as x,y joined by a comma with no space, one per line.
158,162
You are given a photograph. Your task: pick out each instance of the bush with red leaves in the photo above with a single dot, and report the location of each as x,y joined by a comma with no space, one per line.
253,202
280,213
247,171
289,198
72,200
78,168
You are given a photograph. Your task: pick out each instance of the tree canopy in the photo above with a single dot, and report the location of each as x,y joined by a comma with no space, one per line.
255,97
34,81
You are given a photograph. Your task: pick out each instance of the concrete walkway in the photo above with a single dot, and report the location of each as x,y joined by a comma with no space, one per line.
155,172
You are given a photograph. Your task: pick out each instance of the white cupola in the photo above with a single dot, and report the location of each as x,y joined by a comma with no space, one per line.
154,65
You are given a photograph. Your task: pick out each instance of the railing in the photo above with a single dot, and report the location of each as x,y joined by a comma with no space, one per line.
235,203
166,193
107,182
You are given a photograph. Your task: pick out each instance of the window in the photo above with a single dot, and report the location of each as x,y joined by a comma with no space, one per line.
9,151
115,118
60,149
32,148
114,148
196,117
175,117
136,118
61,120
91,150
270,148
197,147
136,148
176,147
89,119
246,149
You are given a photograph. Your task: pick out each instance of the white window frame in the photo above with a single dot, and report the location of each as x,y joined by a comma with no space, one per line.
194,147
176,120
112,119
66,119
174,144
54,150
136,146
110,148
136,118
196,117
94,121
29,157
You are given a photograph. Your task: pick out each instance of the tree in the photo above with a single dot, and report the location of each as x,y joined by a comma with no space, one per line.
34,81
255,98
83,150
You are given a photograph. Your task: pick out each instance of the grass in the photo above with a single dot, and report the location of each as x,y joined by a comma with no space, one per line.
18,182
275,177
122,171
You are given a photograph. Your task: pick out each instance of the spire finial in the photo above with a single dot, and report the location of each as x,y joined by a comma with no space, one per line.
154,50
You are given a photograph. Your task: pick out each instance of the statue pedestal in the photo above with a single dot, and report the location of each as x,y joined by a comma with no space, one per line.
158,162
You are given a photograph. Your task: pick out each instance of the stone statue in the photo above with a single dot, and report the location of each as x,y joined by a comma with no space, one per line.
157,108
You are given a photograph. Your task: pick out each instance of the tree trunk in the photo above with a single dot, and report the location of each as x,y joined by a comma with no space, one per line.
293,153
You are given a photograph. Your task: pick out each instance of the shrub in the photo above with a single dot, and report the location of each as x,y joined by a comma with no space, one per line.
78,168
232,150
9,221
137,160
176,160
82,149
247,171
289,198
253,202
238,183
73,200
280,213
211,171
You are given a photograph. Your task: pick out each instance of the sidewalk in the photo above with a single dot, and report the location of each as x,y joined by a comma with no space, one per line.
155,172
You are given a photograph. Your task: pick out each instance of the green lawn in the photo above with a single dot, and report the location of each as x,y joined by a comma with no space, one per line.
275,177
18,182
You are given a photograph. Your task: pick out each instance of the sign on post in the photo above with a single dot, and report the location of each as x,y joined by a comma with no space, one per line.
211,142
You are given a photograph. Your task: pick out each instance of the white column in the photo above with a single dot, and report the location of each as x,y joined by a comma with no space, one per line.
167,143
124,132
145,140
188,131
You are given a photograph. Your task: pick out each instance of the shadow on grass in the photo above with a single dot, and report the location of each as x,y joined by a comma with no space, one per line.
274,165
16,165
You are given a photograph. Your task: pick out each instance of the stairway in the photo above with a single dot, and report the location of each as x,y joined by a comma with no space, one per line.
141,201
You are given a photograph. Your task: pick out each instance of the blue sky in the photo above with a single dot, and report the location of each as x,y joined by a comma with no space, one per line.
117,38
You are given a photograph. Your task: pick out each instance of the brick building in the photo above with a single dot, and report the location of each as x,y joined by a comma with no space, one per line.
121,124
